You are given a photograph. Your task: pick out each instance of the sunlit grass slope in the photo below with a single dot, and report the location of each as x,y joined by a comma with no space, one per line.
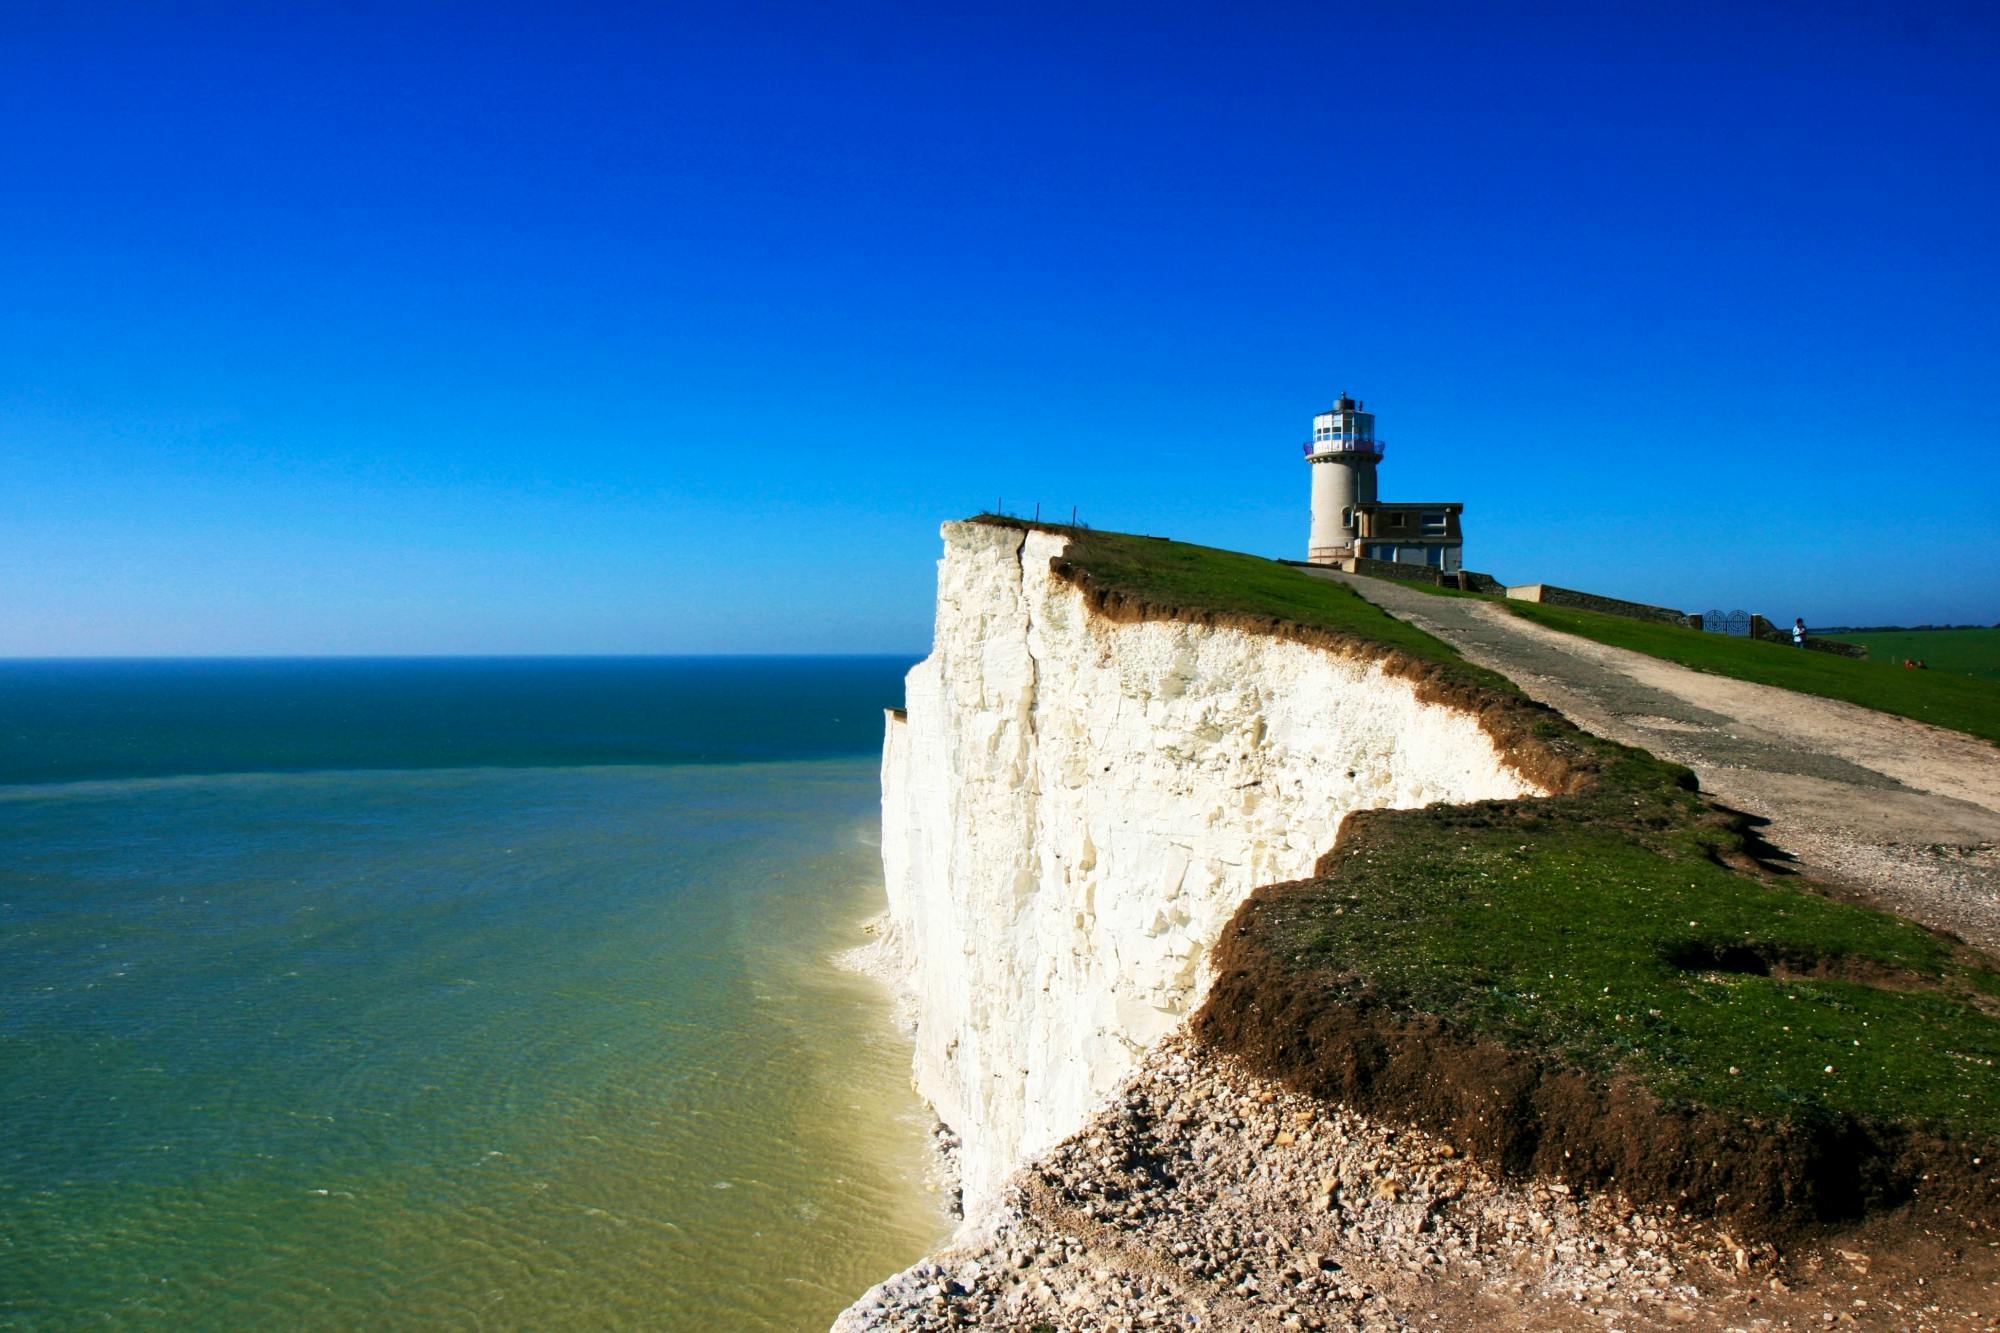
1959,652
1938,697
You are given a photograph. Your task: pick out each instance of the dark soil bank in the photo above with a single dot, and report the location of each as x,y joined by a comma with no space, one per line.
1525,1116
1523,1112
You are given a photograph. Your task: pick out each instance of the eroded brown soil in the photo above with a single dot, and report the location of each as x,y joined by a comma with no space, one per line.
1526,1115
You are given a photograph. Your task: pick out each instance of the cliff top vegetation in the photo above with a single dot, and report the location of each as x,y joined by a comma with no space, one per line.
1944,695
1959,688
1956,650
1129,577
1603,985
1204,579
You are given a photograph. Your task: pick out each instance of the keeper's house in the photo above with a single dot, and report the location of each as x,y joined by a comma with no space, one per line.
1349,522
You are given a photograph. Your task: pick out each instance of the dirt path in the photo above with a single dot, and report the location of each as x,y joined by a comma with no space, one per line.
1903,814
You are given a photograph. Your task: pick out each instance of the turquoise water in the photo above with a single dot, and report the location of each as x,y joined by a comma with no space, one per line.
518,1045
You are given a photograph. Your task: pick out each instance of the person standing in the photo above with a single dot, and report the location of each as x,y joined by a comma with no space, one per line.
1798,632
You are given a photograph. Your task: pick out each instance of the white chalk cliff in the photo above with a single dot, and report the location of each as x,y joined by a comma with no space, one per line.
1072,808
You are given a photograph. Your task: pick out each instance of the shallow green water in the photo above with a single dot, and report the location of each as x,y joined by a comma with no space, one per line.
542,1048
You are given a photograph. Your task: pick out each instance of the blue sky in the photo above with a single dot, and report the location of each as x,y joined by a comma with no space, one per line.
679,328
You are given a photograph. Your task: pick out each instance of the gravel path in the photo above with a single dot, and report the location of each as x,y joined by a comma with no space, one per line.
1902,814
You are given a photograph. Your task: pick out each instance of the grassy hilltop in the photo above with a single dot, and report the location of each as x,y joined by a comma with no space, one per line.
1941,697
1600,984
1959,652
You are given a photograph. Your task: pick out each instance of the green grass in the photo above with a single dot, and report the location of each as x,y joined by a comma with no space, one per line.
1958,652
1204,578
1582,926
1568,935
1960,702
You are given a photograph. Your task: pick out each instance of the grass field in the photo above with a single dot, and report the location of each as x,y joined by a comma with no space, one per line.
1958,652
1939,697
1616,954
1600,929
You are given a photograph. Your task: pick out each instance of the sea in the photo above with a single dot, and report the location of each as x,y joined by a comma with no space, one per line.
447,994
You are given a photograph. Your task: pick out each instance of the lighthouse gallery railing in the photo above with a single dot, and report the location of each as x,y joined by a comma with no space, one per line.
1339,444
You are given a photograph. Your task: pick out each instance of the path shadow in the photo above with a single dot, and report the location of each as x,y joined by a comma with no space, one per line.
1764,852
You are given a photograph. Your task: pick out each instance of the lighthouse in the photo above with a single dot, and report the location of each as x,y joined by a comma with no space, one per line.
1343,452
1348,522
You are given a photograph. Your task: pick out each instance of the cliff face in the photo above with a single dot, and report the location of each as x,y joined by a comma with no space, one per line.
1072,808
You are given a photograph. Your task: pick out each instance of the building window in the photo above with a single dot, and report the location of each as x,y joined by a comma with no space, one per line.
1434,521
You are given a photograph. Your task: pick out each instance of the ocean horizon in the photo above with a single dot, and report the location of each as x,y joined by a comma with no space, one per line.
489,991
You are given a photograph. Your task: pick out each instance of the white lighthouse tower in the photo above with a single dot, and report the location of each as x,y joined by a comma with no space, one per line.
1343,452
1349,524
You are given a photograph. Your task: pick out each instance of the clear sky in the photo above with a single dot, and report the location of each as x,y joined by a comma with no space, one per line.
583,327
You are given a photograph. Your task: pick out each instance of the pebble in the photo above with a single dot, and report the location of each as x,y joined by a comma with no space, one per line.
1194,1193
1191,1201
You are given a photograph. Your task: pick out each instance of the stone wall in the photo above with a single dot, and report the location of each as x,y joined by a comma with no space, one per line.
1548,594
1391,569
1761,628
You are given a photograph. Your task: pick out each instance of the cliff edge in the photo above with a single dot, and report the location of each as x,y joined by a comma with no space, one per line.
1073,805
1123,752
